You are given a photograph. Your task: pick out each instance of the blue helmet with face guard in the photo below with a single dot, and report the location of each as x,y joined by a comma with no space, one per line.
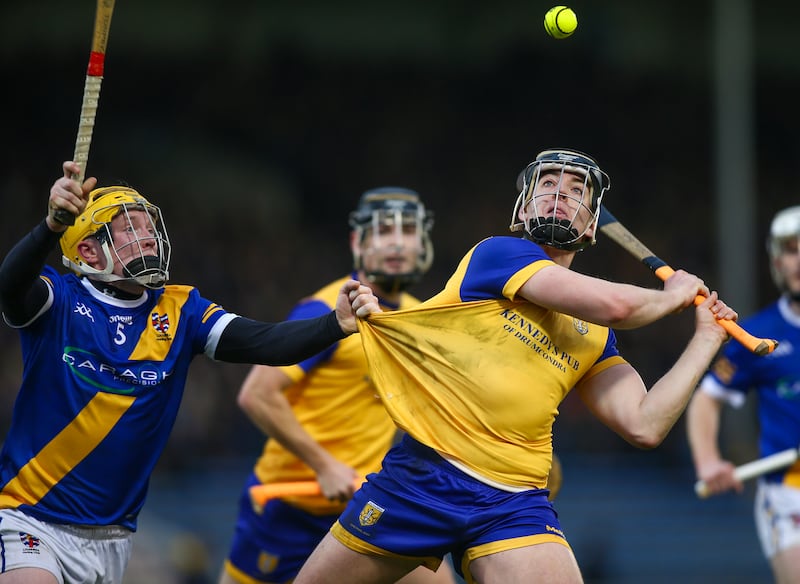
398,209
552,231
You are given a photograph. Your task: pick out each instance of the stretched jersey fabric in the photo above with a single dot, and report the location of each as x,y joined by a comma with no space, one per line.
774,377
477,373
110,374
335,401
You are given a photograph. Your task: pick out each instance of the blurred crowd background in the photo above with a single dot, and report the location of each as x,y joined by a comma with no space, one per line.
256,125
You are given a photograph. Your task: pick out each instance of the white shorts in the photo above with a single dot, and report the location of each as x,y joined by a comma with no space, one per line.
777,515
74,555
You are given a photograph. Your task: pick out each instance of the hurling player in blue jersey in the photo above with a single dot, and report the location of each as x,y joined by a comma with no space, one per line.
106,352
475,375
775,379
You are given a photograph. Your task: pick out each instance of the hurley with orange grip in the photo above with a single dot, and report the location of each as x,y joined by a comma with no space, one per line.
260,495
610,226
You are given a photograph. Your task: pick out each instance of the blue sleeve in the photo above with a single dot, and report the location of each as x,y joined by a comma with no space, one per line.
493,262
610,350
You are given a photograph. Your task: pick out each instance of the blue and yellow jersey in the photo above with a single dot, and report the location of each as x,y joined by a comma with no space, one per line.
478,373
93,414
774,377
334,399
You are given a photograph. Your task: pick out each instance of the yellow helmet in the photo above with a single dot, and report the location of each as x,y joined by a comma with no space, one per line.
103,206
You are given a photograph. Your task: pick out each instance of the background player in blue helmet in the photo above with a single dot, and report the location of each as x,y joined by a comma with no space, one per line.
775,378
475,376
324,420
106,352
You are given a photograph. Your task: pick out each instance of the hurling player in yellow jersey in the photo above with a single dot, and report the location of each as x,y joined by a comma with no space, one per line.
324,419
475,376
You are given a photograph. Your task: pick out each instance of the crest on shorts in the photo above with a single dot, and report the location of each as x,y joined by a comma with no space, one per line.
30,543
370,514
580,326
266,562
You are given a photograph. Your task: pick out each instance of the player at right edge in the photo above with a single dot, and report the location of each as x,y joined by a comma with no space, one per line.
776,380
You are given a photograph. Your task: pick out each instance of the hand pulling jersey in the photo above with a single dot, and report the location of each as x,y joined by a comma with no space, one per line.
477,373
110,374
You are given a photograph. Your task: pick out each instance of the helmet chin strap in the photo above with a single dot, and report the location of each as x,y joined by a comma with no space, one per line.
393,283
144,271
154,280
147,271
555,232
103,275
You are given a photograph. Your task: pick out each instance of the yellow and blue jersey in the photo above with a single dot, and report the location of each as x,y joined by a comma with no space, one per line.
333,397
477,373
775,378
93,414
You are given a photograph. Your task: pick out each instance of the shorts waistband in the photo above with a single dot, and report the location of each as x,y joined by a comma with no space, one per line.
428,454
419,449
96,531
453,467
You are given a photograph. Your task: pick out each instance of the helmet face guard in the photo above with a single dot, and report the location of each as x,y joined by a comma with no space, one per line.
784,237
560,233
387,215
143,267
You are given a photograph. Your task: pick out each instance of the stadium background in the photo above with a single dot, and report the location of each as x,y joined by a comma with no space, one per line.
256,125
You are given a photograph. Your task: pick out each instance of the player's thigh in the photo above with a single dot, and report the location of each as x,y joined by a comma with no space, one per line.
553,563
225,578
786,566
332,560
28,576
423,575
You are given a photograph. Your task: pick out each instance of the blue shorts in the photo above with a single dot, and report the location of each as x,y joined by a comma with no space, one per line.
422,507
272,546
